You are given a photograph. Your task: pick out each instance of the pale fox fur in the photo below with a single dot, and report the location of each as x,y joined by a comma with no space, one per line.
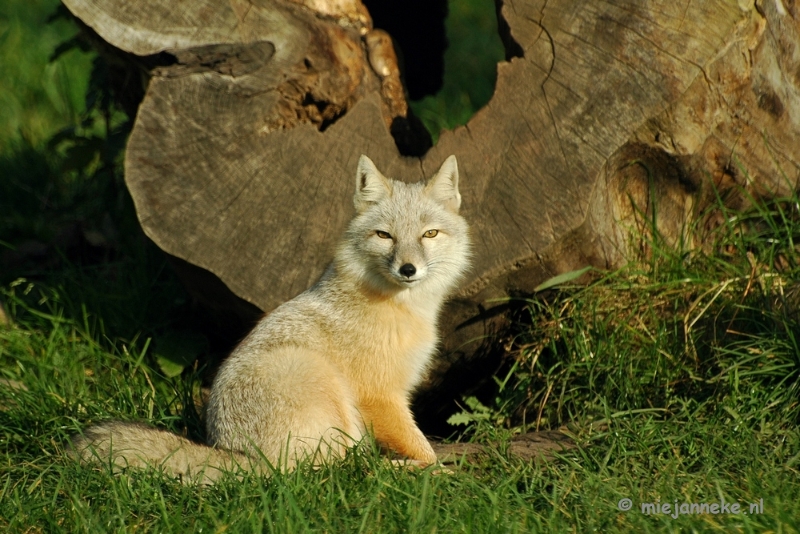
339,360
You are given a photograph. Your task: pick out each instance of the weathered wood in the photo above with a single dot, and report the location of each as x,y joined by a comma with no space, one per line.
242,155
530,446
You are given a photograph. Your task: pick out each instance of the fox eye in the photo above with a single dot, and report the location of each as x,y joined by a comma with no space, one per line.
431,233
382,234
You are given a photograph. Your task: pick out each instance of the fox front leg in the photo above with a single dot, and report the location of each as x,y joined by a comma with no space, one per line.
393,426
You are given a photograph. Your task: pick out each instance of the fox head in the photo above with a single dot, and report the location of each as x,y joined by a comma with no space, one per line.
406,236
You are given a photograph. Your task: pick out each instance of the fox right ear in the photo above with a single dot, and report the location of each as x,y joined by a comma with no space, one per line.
371,185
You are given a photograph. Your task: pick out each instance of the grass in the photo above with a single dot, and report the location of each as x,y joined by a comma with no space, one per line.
662,413
37,98
679,376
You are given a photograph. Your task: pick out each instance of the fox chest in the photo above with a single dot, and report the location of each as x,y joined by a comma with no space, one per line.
394,352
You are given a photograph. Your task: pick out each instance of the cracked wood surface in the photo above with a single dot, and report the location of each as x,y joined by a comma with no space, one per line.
241,158
530,446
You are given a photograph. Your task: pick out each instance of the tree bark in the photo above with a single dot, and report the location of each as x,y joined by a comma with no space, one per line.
608,118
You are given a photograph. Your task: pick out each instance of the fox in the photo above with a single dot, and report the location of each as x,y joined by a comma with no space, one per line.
338,362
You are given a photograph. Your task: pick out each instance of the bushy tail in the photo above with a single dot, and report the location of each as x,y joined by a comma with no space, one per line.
136,445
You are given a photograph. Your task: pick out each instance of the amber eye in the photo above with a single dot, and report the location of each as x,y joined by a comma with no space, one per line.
431,233
382,234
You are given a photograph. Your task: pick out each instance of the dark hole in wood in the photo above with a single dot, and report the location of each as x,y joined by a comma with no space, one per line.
410,136
328,114
417,27
512,47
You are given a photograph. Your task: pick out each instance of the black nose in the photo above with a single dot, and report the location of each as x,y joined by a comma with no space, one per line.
408,270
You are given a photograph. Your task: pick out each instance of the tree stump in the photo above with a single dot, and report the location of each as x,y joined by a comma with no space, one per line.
606,118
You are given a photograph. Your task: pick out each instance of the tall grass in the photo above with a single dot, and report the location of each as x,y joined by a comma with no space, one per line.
686,326
678,378
677,386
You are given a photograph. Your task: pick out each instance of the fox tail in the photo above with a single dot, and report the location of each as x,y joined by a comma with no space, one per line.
124,445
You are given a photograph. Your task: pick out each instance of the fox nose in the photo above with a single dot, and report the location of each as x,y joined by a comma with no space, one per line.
408,270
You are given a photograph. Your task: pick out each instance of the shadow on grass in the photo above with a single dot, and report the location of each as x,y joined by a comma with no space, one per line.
70,244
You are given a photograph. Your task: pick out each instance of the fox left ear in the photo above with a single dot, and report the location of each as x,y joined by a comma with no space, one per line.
443,187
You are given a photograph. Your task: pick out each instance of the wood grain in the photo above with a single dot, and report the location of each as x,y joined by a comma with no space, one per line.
243,150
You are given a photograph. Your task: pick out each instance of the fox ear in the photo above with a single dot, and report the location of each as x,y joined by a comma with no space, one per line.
443,187
371,185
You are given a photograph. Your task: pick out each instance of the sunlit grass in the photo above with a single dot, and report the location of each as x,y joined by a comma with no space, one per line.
678,376
660,413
